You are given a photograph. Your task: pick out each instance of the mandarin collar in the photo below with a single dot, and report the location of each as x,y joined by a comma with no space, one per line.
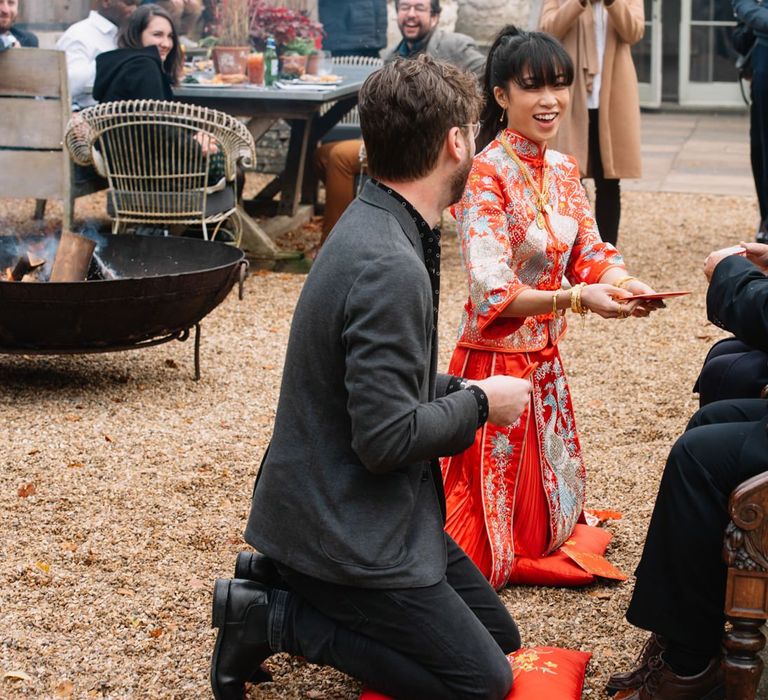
525,148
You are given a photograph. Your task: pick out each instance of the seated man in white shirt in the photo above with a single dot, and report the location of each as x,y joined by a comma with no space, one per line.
85,40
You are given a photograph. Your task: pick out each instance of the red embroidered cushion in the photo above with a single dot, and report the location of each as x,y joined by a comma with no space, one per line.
540,673
558,569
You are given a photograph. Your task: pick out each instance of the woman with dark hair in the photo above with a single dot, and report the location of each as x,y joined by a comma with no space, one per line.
147,62
525,223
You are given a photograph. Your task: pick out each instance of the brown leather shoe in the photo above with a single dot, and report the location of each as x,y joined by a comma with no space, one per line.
629,680
661,683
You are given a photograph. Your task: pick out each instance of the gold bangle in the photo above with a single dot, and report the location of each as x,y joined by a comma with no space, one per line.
622,281
576,306
554,304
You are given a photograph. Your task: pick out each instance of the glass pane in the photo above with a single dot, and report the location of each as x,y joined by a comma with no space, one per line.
712,55
641,53
711,11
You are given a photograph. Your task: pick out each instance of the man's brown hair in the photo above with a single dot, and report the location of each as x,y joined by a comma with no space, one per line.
406,110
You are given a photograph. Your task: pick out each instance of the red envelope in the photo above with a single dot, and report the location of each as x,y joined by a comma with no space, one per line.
656,295
595,564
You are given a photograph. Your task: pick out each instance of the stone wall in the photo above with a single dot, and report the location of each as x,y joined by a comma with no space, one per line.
482,19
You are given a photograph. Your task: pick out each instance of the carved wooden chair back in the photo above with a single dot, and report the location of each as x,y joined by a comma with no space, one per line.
746,599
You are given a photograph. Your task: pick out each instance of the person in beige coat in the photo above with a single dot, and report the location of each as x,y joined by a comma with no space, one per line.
603,128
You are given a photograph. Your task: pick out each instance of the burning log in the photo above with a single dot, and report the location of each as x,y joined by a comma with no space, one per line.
24,267
73,258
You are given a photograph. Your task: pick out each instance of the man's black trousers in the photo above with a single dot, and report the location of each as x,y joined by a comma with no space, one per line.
680,589
440,642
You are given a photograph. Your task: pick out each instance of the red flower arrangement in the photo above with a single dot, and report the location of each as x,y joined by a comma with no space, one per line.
283,24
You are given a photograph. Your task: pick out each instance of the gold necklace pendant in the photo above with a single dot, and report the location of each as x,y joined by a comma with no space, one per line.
541,203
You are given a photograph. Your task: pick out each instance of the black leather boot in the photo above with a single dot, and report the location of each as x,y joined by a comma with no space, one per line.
256,567
240,614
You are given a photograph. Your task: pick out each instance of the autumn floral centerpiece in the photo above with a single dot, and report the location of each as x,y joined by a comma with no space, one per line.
286,26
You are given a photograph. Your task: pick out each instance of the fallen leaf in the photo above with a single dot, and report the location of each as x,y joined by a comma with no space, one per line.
64,689
27,490
172,364
43,566
17,676
33,452
75,465
108,438
600,594
155,633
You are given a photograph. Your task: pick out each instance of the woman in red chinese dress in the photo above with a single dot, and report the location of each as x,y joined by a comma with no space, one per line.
524,223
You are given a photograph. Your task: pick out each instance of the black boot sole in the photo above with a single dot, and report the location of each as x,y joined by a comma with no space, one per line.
218,619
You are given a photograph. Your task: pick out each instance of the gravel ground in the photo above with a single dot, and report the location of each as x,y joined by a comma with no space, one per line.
124,484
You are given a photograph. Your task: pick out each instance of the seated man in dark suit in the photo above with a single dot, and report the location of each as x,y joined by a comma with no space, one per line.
11,36
680,590
737,367
348,504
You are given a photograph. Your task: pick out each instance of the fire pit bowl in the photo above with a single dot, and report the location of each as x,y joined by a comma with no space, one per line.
163,287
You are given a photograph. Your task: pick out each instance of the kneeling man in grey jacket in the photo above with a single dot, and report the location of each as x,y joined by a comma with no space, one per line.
355,569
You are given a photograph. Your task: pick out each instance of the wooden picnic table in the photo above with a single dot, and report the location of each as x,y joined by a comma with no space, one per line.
310,113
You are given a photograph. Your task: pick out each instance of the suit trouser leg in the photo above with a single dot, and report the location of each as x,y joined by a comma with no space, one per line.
607,190
758,128
680,587
337,165
441,642
732,370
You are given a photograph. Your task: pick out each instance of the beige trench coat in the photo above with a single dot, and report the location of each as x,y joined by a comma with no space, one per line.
619,100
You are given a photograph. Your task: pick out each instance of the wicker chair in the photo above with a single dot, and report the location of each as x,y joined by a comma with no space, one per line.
349,125
149,151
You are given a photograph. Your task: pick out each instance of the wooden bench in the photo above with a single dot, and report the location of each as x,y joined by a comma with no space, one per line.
746,599
35,104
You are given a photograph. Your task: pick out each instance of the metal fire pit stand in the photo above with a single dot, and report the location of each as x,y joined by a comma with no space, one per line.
180,335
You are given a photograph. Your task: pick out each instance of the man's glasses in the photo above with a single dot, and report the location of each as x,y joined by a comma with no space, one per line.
420,8
474,129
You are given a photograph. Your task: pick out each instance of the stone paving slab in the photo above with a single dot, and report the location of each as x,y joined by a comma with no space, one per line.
696,153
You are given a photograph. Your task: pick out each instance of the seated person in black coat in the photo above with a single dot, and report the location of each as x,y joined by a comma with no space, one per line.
737,367
680,590
11,36
147,63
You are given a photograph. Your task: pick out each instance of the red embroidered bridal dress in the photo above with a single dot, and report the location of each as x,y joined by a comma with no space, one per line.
519,490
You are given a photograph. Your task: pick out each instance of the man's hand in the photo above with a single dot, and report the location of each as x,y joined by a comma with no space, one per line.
757,254
507,397
716,256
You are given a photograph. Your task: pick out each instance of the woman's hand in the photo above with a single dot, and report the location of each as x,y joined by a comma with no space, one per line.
604,300
207,143
643,308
